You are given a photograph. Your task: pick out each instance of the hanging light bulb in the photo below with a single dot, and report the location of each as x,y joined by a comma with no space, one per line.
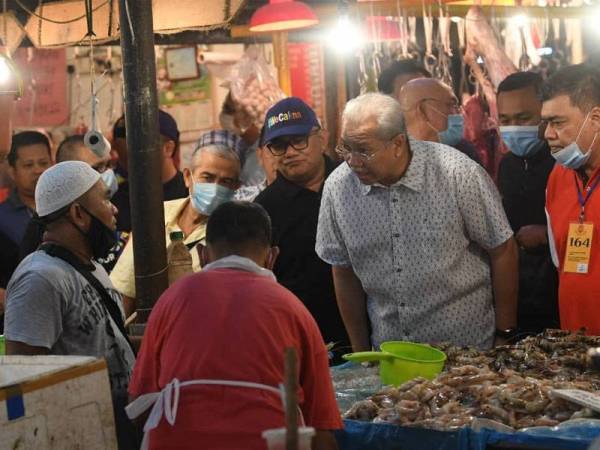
345,37
4,71
10,79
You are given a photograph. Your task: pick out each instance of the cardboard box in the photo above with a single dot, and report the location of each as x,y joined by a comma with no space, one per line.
55,402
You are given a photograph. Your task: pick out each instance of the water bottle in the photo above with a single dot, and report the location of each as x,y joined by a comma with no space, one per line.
179,257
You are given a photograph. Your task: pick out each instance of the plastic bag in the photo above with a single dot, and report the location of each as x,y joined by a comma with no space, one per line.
253,86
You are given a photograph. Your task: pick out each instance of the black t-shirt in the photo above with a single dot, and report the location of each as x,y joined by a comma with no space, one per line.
173,189
522,183
9,259
294,213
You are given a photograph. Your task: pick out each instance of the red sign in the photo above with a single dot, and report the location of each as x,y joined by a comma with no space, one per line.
306,73
44,73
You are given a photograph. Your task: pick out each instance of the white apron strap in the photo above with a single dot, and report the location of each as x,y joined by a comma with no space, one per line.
166,402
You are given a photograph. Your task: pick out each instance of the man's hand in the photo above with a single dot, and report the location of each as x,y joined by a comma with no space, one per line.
532,236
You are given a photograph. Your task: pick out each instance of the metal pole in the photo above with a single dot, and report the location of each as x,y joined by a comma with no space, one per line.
145,187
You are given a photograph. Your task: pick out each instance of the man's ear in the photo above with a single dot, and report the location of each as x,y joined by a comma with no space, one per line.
272,257
187,177
77,215
399,143
168,149
595,118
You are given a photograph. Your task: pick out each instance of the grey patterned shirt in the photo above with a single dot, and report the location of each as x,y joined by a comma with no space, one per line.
419,246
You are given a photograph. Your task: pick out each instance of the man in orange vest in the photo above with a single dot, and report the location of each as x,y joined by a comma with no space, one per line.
571,110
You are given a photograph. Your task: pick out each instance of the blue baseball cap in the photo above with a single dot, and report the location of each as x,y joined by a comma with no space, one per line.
289,117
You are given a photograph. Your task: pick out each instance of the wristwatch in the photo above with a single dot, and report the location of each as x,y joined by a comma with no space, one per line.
507,333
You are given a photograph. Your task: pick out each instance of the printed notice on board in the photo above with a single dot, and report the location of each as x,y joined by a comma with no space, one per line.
44,101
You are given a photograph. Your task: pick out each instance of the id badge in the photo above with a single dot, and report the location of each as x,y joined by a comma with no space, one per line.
579,247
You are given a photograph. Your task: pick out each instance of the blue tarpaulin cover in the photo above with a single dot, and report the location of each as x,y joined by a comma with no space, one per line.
577,435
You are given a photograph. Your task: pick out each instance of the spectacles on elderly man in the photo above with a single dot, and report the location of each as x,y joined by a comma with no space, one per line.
452,105
280,145
345,151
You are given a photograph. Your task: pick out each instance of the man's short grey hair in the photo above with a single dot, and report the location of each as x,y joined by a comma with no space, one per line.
215,149
383,108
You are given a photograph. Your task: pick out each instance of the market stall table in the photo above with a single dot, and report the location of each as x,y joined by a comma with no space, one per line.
478,401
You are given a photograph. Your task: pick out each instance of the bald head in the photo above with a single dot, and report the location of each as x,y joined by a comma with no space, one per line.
420,89
73,149
427,103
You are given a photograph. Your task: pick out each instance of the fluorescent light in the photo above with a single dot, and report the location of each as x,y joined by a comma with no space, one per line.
456,19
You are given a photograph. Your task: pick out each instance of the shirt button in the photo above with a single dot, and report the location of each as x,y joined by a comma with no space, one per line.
406,333
394,200
396,235
403,304
398,270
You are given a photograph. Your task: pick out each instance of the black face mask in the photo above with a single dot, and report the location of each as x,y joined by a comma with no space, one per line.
100,237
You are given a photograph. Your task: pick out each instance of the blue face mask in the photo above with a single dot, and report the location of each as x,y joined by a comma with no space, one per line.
522,141
572,157
206,197
455,131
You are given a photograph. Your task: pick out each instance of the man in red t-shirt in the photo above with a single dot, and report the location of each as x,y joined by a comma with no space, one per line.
571,109
232,321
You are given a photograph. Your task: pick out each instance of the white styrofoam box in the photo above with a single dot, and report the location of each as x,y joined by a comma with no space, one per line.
55,403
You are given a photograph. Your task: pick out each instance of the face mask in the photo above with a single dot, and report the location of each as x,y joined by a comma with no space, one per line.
110,180
572,157
454,133
522,141
100,237
206,197
228,123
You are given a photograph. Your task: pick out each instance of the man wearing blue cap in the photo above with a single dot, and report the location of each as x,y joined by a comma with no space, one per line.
172,179
293,135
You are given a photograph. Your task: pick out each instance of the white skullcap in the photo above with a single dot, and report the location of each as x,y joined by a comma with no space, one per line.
62,184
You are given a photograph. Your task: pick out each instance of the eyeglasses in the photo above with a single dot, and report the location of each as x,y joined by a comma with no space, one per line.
452,105
279,146
345,151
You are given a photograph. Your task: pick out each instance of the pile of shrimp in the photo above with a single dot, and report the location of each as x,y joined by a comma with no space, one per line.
510,384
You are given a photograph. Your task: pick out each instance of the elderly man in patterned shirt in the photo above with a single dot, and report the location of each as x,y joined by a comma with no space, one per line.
415,231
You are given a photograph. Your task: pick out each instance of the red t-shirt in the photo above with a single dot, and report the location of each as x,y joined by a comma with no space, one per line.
579,294
231,325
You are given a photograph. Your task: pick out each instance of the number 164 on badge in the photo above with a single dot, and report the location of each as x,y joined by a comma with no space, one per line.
579,247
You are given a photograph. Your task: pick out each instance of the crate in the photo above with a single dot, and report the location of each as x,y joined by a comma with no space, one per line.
55,402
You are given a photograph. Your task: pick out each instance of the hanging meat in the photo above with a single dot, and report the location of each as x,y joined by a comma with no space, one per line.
482,42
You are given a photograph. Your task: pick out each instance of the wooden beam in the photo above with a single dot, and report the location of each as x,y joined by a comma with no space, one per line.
328,13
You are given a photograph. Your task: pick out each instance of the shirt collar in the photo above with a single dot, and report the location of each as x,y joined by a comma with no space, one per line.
414,178
239,263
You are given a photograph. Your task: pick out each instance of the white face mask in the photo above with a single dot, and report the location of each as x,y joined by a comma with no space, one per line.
572,157
110,180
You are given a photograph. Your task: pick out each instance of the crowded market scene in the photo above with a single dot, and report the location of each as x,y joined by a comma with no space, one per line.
299,224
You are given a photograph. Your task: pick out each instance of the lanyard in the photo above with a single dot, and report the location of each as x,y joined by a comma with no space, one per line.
582,200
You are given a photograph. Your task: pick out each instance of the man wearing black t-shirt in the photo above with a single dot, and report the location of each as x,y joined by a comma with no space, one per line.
522,180
172,179
293,135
